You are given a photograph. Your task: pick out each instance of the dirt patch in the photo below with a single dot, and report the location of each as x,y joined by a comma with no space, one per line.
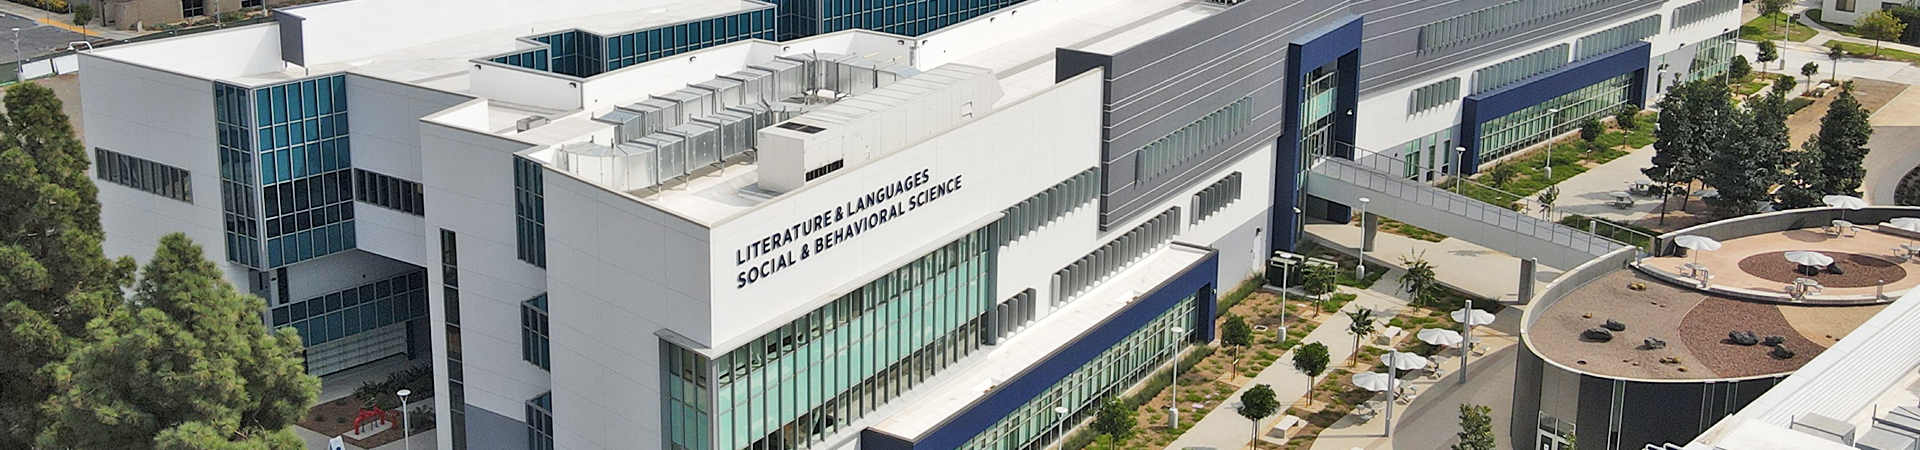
1825,325
1705,329
1861,270
1655,311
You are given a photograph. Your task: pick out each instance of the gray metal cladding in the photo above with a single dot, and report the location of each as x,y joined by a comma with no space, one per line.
1159,86
1391,50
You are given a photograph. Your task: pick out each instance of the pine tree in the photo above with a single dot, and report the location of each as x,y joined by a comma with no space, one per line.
1802,188
54,276
1694,116
1476,428
1842,140
1748,162
188,365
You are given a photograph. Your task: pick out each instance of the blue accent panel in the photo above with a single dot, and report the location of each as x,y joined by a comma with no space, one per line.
977,417
1489,105
1326,44
1339,41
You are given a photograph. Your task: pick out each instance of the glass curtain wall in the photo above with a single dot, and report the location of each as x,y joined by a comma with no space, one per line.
584,54
1712,58
1510,133
1035,425
239,188
1316,110
905,17
1429,157
798,384
305,168
355,310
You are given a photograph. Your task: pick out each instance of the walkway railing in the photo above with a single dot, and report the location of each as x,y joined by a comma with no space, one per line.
1392,185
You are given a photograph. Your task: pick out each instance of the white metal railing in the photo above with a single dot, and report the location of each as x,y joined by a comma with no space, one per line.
1459,205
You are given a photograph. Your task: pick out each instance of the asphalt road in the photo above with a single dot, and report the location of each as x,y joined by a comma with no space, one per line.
35,38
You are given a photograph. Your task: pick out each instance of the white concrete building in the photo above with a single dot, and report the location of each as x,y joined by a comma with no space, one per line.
651,225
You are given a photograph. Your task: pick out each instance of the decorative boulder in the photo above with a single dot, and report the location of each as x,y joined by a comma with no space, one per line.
1743,337
1835,268
1597,334
1781,352
1654,343
1614,325
1773,341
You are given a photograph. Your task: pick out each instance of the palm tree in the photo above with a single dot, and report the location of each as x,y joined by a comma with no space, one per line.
1837,54
1361,327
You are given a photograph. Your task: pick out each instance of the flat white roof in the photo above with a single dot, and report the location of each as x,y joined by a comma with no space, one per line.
425,42
1019,43
1024,350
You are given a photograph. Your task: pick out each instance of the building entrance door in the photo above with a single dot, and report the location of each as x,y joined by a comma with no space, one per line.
1550,441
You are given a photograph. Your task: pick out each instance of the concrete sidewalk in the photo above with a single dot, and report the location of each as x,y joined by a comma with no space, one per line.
1432,418
1457,263
1224,429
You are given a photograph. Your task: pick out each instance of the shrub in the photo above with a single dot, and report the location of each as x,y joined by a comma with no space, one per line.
1591,129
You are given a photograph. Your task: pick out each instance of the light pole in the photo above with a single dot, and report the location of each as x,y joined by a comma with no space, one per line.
1459,166
1060,423
1174,400
1361,268
19,65
406,421
1553,115
1466,343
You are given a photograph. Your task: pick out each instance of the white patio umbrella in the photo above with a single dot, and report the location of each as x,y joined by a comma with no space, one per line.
1469,318
1442,337
1807,258
1906,223
1376,381
1844,201
1403,361
1700,243
1380,382
1472,317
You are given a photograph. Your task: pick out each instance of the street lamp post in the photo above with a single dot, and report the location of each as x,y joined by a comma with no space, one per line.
1361,268
406,421
1466,344
1060,423
19,65
1459,166
1174,400
1553,115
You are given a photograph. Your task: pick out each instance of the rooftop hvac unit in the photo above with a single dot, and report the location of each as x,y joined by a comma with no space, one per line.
529,123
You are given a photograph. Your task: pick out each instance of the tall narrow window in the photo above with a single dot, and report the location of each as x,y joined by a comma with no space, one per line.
530,210
540,422
534,346
456,378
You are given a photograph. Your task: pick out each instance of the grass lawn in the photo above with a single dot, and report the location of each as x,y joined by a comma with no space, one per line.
1403,229
1767,28
1836,27
1570,157
1866,51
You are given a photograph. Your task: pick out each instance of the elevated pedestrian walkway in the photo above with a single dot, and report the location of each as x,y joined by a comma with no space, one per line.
1425,206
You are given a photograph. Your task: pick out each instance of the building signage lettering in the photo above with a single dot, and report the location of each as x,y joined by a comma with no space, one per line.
762,258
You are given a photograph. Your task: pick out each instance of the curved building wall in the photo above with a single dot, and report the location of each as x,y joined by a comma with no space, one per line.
1553,403
1612,413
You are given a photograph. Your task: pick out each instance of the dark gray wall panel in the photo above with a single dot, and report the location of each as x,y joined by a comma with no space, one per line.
487,430
1161,85
1393,35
